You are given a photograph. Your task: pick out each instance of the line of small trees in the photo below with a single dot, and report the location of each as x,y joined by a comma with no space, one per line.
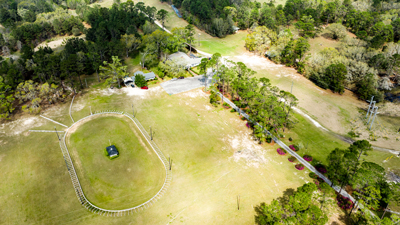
264,103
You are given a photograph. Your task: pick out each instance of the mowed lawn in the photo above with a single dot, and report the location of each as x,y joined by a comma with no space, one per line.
231,45
124,182
213,158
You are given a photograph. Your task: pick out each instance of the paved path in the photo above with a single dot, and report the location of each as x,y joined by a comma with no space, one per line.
176,86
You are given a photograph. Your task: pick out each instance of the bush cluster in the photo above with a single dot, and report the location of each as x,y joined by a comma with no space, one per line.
308,158
281,151
344,202
294,147
299,166
321,168
292,159
313,175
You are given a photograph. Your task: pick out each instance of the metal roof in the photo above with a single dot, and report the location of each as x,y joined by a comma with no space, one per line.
147,76
112,150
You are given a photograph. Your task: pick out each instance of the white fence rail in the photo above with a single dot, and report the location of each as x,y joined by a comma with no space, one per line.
46,131
70,109
77,186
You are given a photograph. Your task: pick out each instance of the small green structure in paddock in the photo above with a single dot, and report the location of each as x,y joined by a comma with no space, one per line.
112,152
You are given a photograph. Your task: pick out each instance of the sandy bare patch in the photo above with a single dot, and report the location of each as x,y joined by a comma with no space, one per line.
2,156
246,150
208,107
16,127
379,135
78,106
141,92
54,110
254,60
260,62
390,109
194,94
56,43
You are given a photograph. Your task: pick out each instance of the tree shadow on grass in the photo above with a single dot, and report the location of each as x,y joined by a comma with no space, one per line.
285,197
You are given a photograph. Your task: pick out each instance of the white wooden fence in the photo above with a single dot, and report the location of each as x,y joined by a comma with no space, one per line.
77,186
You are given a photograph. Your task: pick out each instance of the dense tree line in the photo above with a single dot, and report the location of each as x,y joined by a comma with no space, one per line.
303,206
29,79
367,64
367,179
371,60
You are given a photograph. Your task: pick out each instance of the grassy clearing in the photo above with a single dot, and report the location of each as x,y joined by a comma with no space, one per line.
276,2
208,171
319,43
129,180
202,141
228,46
315,141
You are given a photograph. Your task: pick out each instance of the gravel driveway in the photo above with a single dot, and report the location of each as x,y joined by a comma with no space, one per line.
182,85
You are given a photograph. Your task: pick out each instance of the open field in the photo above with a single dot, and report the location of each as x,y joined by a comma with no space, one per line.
314,141
214,160
229,46
129,180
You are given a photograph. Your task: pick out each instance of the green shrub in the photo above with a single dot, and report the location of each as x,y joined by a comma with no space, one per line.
290,139
233,110
353,134
76,31
214,98
140,80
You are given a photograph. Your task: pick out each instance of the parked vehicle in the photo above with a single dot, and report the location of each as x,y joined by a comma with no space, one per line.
145,87
181,77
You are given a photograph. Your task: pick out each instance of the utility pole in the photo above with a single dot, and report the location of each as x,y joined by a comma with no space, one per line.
238,202
170,163
372,111
199,38
90,107
291,89
133,111
86,82
57,134
369,107
376,112
151,133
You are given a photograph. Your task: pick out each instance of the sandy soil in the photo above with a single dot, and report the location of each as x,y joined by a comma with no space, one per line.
379,134
18,126
390,109
56,43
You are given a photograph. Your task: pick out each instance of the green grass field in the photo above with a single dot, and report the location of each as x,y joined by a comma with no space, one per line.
314,141
129,180
229,46
214,161
203,143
